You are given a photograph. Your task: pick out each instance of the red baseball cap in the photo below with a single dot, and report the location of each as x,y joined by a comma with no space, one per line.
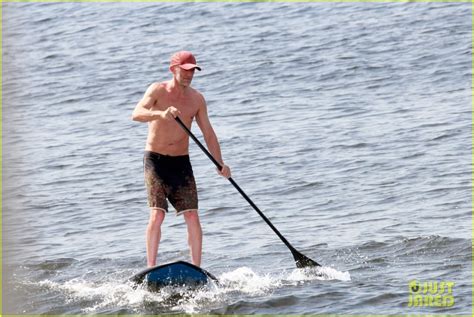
184,60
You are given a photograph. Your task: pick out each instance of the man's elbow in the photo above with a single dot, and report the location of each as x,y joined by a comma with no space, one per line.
136,117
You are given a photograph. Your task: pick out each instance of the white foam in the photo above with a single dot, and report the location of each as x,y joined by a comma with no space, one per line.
242,281
247,281
323,273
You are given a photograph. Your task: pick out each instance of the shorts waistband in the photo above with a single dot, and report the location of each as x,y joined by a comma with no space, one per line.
157,155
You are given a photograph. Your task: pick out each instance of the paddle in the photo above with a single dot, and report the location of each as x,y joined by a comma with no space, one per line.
301,260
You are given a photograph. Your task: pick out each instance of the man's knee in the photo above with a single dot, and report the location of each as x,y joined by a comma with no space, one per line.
191,216
156,216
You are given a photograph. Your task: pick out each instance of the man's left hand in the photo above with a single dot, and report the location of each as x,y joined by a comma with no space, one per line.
225,171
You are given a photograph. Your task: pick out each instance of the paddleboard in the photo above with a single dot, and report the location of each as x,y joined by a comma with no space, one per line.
178,273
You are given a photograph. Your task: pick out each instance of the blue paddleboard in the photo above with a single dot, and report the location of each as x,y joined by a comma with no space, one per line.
178,273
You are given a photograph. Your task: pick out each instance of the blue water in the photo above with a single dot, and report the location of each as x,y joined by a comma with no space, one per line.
348,124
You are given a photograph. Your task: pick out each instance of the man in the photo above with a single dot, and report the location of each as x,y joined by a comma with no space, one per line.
167,169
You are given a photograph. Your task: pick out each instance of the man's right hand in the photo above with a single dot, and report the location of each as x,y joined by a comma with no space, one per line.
170,114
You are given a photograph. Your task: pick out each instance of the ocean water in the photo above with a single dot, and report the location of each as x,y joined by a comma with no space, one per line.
348,124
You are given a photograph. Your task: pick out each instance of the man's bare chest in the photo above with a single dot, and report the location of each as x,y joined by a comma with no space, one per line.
186,105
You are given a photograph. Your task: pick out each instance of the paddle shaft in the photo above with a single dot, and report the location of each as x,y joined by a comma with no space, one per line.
247,198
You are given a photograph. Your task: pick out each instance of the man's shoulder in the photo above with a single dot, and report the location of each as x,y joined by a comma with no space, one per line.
159,85
157,88
195,93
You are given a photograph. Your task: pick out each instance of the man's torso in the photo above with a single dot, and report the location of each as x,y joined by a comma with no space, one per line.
166,136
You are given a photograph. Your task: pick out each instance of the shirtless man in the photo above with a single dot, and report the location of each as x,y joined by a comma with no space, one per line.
167,169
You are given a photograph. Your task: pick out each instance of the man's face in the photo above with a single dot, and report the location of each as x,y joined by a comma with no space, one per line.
183,77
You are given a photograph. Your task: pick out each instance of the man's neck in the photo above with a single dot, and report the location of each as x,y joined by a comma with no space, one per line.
176,87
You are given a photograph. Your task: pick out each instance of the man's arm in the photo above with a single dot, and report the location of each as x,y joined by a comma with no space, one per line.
143,112
210,137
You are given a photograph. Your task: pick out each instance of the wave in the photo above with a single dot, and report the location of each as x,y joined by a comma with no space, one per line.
87,295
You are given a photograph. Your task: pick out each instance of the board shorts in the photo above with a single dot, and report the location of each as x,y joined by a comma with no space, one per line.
172,178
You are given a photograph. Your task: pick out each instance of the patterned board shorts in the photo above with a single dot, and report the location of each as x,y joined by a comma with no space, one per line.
170,177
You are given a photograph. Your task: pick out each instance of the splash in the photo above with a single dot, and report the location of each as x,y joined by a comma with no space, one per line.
95,297
245,280
323,273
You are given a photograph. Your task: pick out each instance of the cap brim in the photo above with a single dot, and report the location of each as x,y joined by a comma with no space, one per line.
190,66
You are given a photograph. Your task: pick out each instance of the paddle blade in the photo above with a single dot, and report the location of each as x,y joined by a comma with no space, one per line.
302,260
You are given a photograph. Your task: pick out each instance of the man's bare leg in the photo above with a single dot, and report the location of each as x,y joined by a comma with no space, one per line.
194,235
153,235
